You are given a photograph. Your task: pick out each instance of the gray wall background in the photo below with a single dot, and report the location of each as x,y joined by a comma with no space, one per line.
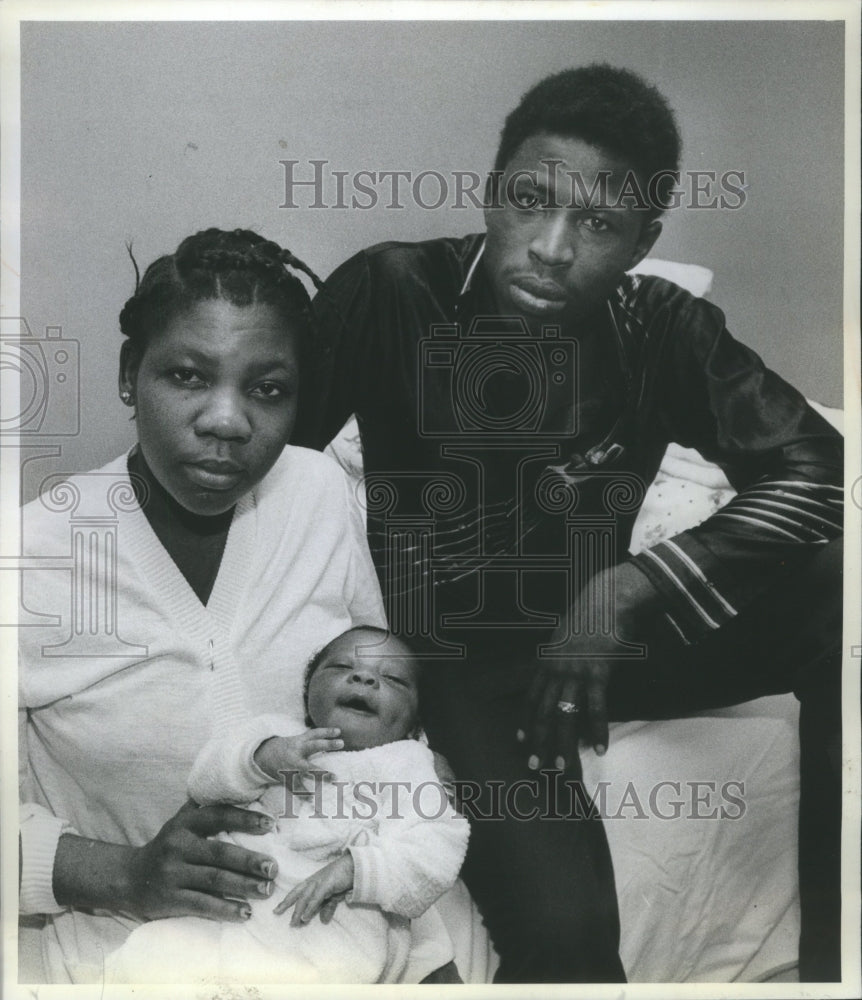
151,131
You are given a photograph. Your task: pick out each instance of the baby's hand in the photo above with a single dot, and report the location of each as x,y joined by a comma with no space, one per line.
287,757
319,892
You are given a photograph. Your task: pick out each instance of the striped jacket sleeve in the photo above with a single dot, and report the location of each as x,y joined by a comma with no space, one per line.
783,458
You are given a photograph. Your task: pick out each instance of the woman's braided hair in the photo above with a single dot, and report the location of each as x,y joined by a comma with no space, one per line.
238,266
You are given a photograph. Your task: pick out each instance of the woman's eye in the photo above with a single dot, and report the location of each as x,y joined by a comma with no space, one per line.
396,680
271,390
187,377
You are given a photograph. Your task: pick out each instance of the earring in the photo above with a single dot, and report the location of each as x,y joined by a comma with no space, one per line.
126,397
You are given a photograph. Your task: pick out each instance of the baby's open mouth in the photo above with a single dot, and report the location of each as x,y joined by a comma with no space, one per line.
359,704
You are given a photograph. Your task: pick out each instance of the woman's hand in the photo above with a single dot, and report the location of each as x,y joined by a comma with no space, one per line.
287,757
568,697
319,892
180,872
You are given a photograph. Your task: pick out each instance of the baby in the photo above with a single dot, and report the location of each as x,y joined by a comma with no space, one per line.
365,837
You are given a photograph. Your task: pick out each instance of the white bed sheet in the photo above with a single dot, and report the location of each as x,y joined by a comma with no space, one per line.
701,899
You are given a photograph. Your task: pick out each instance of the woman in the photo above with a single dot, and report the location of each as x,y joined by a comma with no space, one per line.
222,561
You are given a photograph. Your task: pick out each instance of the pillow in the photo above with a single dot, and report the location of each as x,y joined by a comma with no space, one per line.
692,277
688,489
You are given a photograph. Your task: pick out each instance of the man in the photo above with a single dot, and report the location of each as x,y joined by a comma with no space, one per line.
515,393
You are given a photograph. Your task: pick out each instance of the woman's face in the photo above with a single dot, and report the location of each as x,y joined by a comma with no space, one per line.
215,400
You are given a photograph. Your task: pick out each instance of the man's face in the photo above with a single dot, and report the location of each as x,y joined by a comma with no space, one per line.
553,254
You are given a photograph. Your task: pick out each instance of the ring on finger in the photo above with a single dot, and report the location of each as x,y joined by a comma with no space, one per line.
567,707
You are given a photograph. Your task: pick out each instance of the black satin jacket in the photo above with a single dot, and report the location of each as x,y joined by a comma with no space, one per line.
504,468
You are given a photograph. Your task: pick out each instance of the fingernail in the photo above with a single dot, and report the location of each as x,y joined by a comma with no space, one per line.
268,869
520,736
533,763
245,912
560,764
264,888
266,823
601,750
339,743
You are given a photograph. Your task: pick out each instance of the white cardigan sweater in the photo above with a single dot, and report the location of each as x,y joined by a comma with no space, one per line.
109,732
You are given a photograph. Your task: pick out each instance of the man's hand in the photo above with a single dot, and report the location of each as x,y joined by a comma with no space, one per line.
568,697
288,757
319,892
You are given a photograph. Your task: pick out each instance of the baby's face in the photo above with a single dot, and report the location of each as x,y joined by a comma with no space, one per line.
366,687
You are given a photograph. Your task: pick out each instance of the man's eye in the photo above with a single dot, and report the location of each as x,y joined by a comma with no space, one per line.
396,680
525,198
187,377
595,224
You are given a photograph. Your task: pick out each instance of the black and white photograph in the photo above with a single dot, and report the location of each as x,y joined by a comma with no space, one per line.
424,549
